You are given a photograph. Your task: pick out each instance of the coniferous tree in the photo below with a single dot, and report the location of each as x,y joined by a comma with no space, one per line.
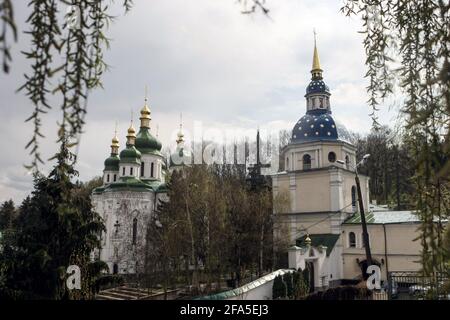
56,227
7,215
279,288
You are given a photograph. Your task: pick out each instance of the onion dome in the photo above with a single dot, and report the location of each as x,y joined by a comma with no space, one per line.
317,86
112,163
130,154
145,141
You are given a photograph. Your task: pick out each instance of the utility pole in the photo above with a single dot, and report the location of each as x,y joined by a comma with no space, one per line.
361,211
363,221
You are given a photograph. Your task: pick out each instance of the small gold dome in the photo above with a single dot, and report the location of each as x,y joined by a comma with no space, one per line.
115,141
145,111
131,130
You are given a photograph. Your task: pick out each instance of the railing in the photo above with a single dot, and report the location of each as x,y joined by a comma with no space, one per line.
416,286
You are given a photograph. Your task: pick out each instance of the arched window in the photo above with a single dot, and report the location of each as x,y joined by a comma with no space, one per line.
107,177
131,171
115,177
115,268
351,240
287,163
134,230
123,171
347,162
142,168
151,169
354,197
306,162
332,156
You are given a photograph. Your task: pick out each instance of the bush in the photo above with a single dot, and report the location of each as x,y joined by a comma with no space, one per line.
341,293
287,278
279,288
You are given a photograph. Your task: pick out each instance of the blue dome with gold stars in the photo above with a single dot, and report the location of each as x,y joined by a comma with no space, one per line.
317,86
315,125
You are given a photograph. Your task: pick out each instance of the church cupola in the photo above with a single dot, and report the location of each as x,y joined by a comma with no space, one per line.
111,171
130,157
317,124
146,143
317,93
145,115
115,145
131,136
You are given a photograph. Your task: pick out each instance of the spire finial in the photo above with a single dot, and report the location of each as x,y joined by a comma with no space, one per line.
146,93
316,70
316,62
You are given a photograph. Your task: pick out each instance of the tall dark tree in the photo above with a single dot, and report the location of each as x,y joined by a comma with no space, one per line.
56,227
7,215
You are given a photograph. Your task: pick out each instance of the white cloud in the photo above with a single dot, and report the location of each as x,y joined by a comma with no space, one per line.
205,59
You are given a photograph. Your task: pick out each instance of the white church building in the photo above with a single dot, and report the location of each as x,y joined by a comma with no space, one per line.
133,185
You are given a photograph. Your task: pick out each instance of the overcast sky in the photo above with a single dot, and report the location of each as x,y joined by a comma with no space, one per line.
204,59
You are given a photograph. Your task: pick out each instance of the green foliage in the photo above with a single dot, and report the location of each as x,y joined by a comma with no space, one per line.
341,293
7,215
301,285
287,279
8,27
390,168
55,228
416,34
206,225
279,290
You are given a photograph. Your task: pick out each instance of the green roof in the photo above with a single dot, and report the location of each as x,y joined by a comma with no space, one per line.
112,163
246,287
385,217
130,155
147,143
132,183
323,239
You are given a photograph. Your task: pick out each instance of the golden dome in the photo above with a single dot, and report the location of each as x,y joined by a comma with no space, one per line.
115,141
131,131
145,111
